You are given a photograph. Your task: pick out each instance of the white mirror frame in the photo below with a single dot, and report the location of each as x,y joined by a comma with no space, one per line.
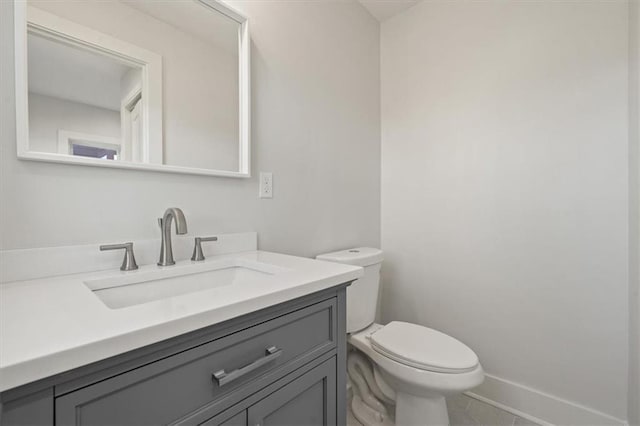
151,65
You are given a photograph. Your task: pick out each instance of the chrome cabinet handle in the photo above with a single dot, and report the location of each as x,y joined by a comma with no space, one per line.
224,378
198,255
129,261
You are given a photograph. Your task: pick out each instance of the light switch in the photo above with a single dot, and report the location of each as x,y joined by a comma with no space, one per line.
266,185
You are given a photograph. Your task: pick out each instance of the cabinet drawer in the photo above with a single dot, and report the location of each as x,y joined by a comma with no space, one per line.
165,390
307,399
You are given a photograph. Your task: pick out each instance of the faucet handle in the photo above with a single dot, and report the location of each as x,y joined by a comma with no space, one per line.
129,261
198,255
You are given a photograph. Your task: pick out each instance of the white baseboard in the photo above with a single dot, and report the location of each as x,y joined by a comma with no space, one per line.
538,407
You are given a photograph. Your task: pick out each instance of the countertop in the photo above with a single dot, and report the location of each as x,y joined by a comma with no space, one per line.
52,325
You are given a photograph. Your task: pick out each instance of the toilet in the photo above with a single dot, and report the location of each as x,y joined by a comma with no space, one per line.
413,366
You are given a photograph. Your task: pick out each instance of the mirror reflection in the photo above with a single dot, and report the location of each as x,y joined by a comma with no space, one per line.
83,103
141,82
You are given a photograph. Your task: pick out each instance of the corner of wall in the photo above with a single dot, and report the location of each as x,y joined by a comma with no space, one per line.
634,213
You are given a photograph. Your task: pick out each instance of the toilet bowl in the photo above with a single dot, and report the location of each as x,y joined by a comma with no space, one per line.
421,379
421,365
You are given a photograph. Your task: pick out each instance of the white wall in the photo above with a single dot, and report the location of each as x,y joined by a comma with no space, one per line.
316,126
200,81
634,214
504,191
47,115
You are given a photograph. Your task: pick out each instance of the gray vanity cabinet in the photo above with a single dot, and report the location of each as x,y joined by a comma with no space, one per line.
239,419
305,401
284,365
308,399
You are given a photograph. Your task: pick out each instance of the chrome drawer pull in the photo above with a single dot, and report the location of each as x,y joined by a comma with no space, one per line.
224,378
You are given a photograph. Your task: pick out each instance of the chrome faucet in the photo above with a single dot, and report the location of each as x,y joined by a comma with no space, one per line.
129,261
166,252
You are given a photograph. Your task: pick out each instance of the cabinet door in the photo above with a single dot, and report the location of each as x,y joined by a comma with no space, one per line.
239,419
309,400
32,410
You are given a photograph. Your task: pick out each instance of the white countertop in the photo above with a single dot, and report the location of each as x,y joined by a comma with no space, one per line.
52,325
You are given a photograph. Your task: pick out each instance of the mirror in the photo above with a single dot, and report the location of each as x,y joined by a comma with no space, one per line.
136,84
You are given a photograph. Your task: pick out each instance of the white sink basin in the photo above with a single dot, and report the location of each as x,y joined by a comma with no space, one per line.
142,286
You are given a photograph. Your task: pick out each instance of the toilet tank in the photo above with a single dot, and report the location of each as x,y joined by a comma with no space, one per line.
362,294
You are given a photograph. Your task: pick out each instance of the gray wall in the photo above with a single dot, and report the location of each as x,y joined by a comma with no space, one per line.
634,213
505,189
48,114
315,125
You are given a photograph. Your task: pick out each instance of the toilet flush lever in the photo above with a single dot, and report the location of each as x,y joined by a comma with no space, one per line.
198,255
129,261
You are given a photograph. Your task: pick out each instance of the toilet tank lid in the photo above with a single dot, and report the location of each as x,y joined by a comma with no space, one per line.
360,256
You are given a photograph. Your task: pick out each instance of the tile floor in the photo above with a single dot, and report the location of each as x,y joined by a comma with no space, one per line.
466,411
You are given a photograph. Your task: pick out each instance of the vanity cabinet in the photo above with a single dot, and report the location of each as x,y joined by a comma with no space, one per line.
305,400
239,419
284,365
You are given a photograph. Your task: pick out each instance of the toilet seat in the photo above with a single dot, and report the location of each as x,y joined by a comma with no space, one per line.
404,378
423,348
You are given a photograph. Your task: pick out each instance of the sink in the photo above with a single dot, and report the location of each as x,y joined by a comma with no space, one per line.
156,283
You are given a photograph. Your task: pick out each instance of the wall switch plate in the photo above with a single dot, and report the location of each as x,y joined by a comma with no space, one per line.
266,185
